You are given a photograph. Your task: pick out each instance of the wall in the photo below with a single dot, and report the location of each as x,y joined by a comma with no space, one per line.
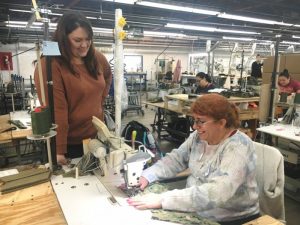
23,63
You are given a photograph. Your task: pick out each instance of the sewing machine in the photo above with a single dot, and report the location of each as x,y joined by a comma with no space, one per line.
109,148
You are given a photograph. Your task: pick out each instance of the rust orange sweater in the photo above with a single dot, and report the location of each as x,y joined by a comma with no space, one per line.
76,100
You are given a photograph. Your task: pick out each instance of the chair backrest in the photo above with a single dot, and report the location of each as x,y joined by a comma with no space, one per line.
270,179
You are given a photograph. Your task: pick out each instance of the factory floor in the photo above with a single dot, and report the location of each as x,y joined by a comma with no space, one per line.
292,207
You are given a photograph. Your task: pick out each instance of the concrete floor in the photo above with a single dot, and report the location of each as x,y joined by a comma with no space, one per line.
292,207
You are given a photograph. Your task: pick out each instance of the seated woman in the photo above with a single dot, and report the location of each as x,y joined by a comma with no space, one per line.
204,83
286,84
222,185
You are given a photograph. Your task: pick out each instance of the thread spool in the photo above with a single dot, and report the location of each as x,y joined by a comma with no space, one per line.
40,121
47,111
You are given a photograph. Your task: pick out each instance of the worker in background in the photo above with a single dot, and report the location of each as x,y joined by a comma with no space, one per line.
204,83
286,84
222,185
81,81
256,67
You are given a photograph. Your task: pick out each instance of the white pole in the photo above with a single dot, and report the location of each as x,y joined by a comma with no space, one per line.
118,72
208,47
39,65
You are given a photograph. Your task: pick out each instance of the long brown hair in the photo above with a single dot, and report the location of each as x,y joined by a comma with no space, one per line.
67,24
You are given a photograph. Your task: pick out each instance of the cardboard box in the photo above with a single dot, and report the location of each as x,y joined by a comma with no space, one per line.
292,63
264,102
295,76
266,78
269,64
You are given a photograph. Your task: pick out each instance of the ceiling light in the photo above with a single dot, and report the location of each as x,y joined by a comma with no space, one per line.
198,54
207,29
16,22
190,27
295,36
239,38
130,2
252,19
16,25
162,34
20,10
264,42
177,8
235,31
91,17
290,43
102,30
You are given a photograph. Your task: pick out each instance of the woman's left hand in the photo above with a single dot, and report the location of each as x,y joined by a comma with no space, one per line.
149,201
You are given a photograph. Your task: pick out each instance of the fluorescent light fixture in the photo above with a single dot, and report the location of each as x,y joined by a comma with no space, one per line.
16,25
198,54
177,8
264,42
130,2
12,23
207,29
235,31
91,17
162,34
290,43
20,10
102,30
16,22
252,19
295,36
239,38
190,27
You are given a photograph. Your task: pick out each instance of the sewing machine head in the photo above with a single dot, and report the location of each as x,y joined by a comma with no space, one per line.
120,156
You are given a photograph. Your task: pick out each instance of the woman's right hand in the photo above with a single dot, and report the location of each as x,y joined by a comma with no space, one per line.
143,183
61,159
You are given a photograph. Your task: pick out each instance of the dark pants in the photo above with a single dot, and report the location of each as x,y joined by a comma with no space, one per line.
74,151
240,221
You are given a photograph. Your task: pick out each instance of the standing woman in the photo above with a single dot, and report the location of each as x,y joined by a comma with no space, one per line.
81,80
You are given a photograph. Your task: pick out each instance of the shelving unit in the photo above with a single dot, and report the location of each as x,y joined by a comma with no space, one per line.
136,81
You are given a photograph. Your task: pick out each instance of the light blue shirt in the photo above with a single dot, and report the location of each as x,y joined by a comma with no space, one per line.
222,185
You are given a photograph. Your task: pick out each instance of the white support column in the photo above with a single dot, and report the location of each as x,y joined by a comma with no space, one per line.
208,45
118,72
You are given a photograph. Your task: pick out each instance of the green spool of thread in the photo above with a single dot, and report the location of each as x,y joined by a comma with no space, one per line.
40,121
48,113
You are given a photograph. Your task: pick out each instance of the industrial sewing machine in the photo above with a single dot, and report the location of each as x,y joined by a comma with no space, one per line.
109,148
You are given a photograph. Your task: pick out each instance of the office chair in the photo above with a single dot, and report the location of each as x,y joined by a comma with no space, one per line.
270,180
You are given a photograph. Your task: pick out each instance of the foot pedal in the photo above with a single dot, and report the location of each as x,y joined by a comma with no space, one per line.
18,123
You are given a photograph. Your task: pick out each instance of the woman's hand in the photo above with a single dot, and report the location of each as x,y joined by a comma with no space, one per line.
61,159
143,182
148,201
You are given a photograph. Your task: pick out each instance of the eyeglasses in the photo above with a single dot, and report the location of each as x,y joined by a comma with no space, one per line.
200,122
